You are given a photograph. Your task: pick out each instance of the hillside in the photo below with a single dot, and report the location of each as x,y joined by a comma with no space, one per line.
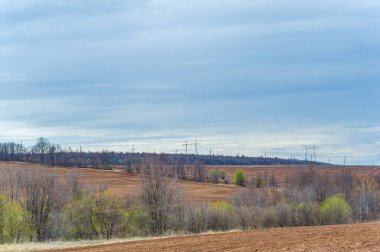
122,183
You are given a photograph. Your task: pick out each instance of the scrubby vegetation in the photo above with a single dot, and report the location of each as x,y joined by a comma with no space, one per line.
38,204
239,177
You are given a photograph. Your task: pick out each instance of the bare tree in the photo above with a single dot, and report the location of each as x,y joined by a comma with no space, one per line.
199,172
247,203
345,183
365,188
158,194
40,191
42,147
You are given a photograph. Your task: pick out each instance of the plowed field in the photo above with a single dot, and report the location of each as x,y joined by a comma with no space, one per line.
122,183
355,237
282,171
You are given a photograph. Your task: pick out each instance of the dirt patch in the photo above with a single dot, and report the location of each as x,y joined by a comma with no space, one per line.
354,237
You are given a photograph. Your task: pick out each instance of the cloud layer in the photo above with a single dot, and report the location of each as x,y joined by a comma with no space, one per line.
240,76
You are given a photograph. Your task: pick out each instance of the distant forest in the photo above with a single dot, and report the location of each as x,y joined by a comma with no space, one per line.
47,153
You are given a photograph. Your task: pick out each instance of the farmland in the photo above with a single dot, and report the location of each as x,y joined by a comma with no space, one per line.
122,183
265,235
282,171
353,237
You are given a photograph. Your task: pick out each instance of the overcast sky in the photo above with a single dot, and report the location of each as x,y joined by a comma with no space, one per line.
239,76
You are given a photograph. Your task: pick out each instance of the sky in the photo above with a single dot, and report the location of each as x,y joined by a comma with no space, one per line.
241,77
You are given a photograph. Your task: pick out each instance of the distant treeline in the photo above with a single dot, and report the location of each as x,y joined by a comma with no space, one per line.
45,152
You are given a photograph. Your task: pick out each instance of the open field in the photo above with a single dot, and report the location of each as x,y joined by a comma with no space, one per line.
122,183
282,171
353,237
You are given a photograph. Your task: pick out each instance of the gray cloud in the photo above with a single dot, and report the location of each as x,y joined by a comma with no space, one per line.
156,72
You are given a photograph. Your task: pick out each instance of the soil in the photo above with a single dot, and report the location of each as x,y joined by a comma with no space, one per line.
353,237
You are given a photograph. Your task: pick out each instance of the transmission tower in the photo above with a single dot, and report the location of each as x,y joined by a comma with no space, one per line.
196,144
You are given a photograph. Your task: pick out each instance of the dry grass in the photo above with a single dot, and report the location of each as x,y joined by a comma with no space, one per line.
55,245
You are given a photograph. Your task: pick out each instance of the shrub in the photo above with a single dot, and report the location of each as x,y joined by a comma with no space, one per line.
15,225
136,222
305,214
214,176
96,215
270,218
239,177
284,214
222,205
259,182
196,218
223,175
335,210
248,205
221,216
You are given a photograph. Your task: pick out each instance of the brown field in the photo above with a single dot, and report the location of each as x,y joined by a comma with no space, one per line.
122,183
282,171
353,237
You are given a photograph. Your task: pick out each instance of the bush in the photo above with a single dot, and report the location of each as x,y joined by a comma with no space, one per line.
222,205
136,222
284,214
218,175
15,225
96,215
239,177
221,216
305,214
259,182
335,210
196,218
270,218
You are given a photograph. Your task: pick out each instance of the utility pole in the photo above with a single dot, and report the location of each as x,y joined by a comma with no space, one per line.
315,157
